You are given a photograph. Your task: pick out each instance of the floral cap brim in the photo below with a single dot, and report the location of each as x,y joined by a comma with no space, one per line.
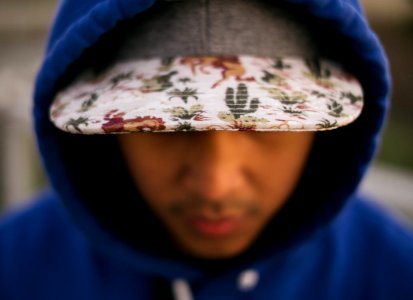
197,93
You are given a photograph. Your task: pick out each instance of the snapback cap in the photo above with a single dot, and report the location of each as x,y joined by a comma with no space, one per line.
196,65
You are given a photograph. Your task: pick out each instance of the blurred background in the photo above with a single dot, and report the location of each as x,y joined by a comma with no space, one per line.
23,31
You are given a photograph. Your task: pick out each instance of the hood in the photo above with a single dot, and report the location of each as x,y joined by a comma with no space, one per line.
88,175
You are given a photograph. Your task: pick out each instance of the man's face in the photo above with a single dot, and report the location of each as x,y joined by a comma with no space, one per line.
216,190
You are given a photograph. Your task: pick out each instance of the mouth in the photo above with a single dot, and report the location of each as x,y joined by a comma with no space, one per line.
219,227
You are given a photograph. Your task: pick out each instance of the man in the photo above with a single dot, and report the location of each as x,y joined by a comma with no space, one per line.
207,150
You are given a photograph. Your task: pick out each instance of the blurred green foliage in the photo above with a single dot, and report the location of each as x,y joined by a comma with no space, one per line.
397,142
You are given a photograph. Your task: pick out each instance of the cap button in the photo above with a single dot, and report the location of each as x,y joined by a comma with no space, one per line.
247,280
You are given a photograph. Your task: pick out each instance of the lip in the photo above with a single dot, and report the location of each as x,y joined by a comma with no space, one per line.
215,228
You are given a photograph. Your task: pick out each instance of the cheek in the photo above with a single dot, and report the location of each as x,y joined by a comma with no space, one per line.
277,175
154,180
153,172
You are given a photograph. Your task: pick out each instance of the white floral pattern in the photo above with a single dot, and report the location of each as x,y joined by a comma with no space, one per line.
210,93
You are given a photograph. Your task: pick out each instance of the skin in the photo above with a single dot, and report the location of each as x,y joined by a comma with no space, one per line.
215,191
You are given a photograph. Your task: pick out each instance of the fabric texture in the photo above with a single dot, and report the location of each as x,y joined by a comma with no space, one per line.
85,239
197,93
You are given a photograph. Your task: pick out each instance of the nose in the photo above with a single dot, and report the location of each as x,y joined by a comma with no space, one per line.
215,165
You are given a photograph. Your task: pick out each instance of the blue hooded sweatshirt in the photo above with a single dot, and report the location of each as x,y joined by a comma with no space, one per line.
84,239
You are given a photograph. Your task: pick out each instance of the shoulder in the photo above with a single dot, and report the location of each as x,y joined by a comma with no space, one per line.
375,223
37,229
377,248
44,217
37,242
43,255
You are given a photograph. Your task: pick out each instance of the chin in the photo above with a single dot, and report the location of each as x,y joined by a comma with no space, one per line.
216,250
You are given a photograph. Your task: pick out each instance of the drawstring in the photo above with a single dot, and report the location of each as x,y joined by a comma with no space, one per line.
247,281
181,290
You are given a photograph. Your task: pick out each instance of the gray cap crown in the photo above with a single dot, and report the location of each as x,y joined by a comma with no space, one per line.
216,27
